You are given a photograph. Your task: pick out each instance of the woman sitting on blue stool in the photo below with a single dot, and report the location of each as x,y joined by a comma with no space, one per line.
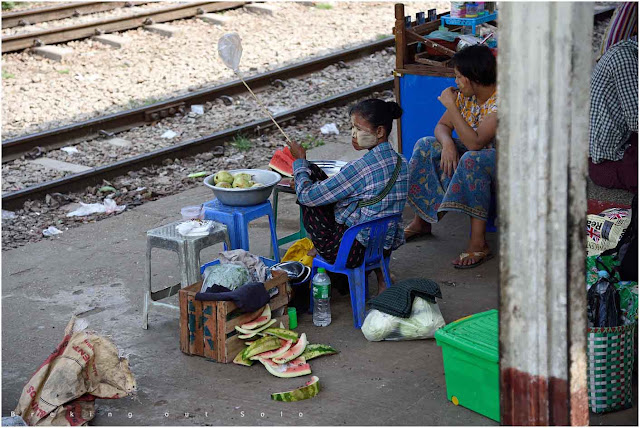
371,187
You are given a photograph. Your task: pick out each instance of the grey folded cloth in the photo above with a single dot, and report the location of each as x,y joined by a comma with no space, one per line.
397,300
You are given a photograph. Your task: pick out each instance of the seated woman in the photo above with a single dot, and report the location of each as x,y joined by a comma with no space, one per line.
371,187
447,174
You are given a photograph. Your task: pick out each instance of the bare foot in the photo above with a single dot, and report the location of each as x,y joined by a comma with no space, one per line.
381,282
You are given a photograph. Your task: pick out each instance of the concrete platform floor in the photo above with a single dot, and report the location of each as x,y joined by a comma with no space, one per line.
97,271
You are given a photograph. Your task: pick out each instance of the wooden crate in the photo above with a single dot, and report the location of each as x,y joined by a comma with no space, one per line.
207,329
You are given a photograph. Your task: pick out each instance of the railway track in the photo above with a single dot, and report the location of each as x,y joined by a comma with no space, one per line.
65,34
16,147
52,13
93,176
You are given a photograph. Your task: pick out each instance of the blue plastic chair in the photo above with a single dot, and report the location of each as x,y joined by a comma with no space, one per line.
237,220
358,284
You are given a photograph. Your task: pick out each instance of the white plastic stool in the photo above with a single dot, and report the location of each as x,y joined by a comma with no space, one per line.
188,249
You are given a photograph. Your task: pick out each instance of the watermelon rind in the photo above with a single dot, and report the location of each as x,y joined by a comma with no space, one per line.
250,333
294,352
309,390
314,350
240,360
286,345
267,343
293,369
261,320
282,333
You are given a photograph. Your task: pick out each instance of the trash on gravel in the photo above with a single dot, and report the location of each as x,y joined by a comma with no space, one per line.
108,206
70,150
105,189
51,231
199,174
83,367
168,134
8,215
330,129
197,109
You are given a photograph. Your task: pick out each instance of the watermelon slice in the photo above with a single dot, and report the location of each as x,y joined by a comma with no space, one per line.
317,350
248,334
241,360
282,333
309,390
282,162
262,319
295,368
286,344
268,343
294,352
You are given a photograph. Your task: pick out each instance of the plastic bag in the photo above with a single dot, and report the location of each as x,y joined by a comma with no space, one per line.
230,50
425,319
108,206
298,252
603,303
228,275
604,230
258,271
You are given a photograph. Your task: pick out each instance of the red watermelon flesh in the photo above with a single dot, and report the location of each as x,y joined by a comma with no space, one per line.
286,344
294,352
282,162
294,368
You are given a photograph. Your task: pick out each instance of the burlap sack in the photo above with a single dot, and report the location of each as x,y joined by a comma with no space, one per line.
83,367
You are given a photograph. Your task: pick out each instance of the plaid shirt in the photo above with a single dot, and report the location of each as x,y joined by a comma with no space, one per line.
613,114
359,180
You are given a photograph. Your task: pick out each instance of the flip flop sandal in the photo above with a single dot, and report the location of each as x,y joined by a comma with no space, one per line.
483,258
410,234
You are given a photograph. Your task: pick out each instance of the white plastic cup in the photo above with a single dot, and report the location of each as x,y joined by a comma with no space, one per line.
191,212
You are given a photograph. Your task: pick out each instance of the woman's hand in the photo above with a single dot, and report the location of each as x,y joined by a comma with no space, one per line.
449,158
297,151
448,97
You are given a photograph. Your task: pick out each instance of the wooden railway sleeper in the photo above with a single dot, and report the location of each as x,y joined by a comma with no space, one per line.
162,112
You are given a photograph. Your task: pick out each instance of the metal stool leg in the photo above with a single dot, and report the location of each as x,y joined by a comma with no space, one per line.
147,291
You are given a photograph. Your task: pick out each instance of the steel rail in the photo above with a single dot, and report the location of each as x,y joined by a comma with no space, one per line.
15,147
64,34
95,175
52,13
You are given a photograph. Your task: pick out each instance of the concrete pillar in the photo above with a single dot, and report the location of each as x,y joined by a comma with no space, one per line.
544,67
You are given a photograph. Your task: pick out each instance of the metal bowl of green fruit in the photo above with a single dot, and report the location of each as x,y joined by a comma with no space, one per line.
242,187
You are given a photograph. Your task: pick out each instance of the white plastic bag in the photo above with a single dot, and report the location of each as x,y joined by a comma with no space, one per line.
230,50
108,206
229,275
425,319
330,129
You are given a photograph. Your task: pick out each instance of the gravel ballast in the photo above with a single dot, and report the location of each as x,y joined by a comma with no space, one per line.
40,94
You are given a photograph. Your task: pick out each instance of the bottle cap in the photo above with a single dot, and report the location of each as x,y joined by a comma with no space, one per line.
603,274
321,270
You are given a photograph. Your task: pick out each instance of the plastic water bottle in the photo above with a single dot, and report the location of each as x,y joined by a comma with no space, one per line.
321,292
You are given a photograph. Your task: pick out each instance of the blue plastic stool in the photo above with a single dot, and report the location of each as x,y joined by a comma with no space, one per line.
358,286
237,220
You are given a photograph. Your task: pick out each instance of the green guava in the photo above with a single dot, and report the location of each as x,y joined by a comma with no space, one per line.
224,184
242,175
241,183
223,177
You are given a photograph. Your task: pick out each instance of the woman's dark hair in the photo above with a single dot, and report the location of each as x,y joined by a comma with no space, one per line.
378,112
477,64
